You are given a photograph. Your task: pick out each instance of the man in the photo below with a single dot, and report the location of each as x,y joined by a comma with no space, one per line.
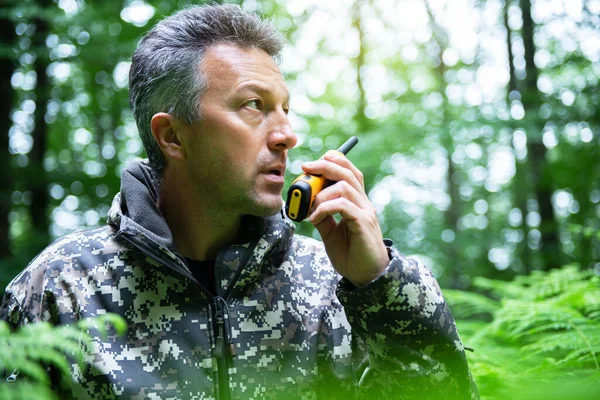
221,299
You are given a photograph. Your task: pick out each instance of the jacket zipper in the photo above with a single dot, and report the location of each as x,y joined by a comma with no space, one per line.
219,305
224,350
221,391
221,327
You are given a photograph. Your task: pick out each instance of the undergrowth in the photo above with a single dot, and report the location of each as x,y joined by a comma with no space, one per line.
37,353
536,337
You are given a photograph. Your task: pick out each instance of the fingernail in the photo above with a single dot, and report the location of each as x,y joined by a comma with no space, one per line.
309,164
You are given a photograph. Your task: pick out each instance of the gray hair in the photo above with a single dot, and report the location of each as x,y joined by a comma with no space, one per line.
165,74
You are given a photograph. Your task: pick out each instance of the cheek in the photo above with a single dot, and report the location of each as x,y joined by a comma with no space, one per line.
244,152
243,165
232,145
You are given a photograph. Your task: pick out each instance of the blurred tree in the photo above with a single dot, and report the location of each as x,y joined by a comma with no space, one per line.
362,122
540,171
453,212
520,189
435,105
7,68
37,179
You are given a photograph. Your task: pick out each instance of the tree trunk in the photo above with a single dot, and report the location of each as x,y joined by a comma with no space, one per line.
453,213
39,190
7,68
521,190
363,124
361,118
549,245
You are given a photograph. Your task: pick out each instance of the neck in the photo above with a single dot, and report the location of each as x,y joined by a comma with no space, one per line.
199,229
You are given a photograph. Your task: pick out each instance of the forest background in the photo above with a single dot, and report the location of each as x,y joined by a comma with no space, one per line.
479,129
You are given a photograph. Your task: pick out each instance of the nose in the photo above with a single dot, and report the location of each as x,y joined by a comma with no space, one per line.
281,135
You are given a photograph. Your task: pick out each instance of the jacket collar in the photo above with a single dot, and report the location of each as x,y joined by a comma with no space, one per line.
135,215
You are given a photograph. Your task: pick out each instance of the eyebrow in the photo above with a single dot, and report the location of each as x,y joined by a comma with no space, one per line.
256,87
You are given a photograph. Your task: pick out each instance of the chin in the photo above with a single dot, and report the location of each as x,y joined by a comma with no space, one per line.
267,208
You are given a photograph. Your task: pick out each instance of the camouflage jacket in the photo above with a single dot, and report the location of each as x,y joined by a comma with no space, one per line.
283,325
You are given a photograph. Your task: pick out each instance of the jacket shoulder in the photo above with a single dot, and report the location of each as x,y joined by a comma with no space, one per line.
64,256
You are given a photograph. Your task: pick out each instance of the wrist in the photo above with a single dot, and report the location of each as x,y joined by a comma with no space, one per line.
369,276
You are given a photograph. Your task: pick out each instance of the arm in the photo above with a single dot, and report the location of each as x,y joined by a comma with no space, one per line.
9,310
414,348
27,298
394,304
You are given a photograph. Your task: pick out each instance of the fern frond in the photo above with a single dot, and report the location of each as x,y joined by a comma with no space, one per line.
32,369
26,390
467,304
40,343
549,284
583,354
546,327
35,347
557,344
583,296
594,314
520,318
499,289
539,285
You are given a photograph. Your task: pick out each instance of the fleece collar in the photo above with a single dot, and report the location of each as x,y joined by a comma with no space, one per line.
135,215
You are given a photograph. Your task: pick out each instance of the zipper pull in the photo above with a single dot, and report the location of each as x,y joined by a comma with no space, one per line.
12,377
223,328
220,331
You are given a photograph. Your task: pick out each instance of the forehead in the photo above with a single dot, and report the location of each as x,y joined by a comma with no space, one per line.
229,67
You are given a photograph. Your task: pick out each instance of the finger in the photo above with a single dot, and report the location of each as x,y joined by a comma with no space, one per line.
341,189
348,210
342,160
334,172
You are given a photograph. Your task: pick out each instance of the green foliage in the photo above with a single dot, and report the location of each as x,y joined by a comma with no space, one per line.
585,231
448,167
37,348
543,340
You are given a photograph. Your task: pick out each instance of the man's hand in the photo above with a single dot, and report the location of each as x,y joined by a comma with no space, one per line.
355,244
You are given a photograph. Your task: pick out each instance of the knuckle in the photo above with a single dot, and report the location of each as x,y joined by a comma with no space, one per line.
360,176
373,214
344,186
348,176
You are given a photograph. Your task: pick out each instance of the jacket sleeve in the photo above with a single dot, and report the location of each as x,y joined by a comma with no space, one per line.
414,350
28,298
14,308
10,310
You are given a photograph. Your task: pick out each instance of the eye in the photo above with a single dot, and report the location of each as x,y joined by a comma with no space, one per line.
255,104
286,110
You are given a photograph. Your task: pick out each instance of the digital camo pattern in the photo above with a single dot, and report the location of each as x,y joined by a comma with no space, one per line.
293,338
406,306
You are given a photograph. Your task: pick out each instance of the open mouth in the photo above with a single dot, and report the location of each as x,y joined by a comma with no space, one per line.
275,172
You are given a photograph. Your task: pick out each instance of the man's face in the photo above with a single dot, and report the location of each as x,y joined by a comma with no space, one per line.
236,154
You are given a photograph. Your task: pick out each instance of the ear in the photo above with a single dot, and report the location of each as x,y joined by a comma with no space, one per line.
165,131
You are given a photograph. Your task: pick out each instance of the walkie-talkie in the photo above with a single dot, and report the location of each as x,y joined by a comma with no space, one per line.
303,190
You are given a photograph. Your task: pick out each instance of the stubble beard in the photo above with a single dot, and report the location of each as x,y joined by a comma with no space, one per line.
264,205
271,209
239,199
